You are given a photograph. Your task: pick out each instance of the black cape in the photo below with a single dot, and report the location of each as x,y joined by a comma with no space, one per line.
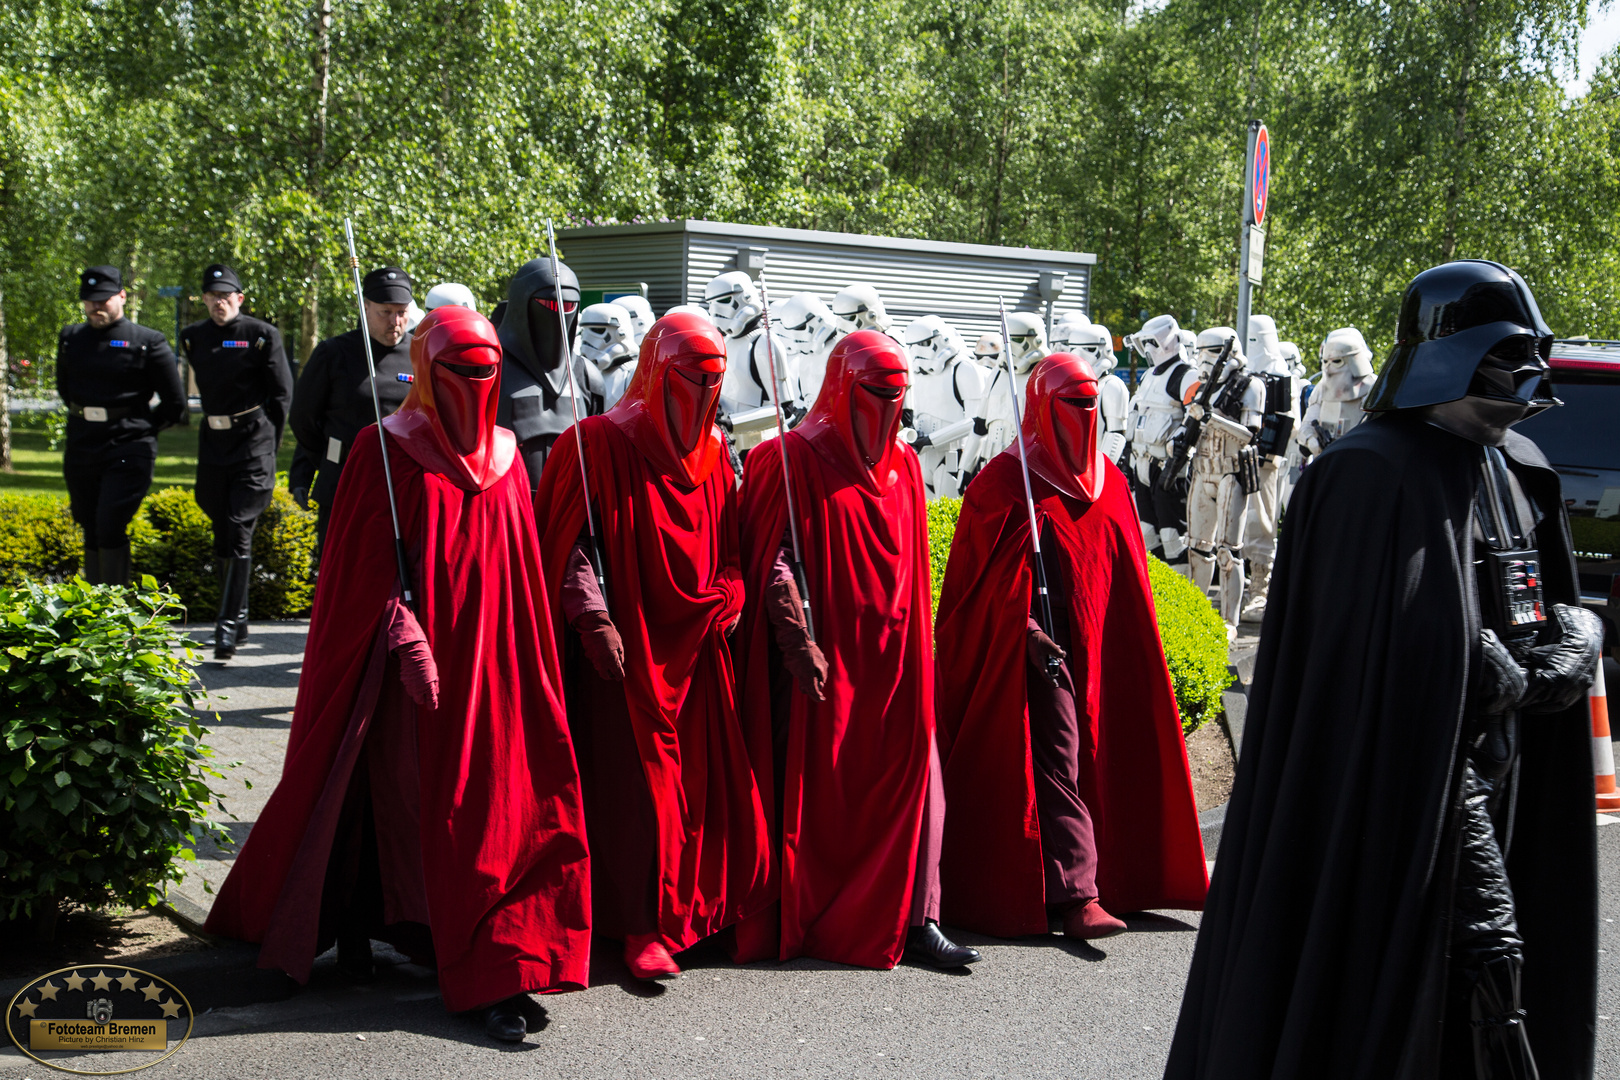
1323,947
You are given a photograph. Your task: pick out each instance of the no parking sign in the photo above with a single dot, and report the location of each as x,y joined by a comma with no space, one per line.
1259,175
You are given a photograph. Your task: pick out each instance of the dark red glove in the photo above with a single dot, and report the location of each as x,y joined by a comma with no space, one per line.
800,655
602,644
1039,647
419,673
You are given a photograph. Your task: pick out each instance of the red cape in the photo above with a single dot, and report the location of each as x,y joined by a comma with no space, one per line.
499,868
673,586
856,775
1135,783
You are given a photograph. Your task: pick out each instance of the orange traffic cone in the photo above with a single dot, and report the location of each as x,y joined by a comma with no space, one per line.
1602,748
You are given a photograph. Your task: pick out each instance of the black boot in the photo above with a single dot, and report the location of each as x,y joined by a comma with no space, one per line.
233,592
1501,1047
354,961
930,945
115,565
504,1020
90,568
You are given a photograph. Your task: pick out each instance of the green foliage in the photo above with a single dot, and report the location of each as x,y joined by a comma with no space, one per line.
171,539
1193,636
1194,645
38,539
103,774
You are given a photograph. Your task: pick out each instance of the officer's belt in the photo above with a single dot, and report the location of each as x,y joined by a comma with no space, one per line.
226,421
101,414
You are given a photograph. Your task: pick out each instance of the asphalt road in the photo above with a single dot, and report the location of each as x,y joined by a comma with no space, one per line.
1031,1008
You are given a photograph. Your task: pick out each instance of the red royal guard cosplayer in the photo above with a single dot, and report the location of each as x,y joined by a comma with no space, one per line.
862,800
1072,792
429,797
677,818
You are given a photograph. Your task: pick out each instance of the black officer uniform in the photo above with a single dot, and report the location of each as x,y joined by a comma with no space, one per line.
106,378
246,388
333,400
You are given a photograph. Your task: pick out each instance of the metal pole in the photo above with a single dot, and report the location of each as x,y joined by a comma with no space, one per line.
573,402
376,404
787,477
1245,299
1052,663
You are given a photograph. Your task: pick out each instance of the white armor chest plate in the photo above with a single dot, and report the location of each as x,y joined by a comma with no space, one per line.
1219,443
1158,412
933,400
1114,401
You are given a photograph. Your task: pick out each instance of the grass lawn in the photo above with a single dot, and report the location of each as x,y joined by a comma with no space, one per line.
38,469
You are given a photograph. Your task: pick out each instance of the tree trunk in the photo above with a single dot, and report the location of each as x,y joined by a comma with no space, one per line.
1001,152
1459,135
5,387
309,328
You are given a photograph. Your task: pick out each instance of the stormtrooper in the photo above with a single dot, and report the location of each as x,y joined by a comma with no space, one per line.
1279,420
807,329
748,393
451,294
535,390
1336,401
859,307
987,351
1156,413
1074,333
945,406
641,317
1026,340
1226,418
607,339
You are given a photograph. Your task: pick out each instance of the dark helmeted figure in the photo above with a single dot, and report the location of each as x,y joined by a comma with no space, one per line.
333,400
1407,881
107,371
535,401
246,388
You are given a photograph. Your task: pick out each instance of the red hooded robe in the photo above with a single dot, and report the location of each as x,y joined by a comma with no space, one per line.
476,802
666,517
856,769
1133,773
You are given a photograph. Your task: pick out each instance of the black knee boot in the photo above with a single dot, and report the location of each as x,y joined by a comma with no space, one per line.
1501,1047
90,568
115,564
233,592
245,568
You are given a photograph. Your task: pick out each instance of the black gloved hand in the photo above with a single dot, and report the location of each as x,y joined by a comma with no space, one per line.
1502,681
301,497
1562,672
921,441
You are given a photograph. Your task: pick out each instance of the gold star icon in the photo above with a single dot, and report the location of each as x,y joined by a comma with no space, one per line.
170,1008
127,981
48,991
100,980
75,982
27,1008
153,991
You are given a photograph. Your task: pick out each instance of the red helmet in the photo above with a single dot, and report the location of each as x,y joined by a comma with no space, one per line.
857,413
1062,424
447,422
668,408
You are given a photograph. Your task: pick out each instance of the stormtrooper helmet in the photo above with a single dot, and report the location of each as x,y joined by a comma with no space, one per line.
605,335
931,343
641,316
1095,345
1189,345
859,307
1292,358
689,309
1346,350
1158,340
413,317
1026,335
1208,348
1069,323
1263,340
987,351
450,293
733,302
805,323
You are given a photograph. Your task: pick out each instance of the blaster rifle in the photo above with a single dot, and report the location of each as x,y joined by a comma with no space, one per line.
1193,427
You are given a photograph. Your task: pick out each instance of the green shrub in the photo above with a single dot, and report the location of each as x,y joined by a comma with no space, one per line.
1193,635
38,539
103,774
172,540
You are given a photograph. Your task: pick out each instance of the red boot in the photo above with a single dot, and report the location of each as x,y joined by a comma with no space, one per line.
1087,920
647,958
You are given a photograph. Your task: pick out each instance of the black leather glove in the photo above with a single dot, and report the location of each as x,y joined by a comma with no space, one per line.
301,497
1502,681
1561,673
921,441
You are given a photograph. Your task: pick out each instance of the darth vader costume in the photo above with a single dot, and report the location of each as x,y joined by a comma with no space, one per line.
429,796
535,391
1406,884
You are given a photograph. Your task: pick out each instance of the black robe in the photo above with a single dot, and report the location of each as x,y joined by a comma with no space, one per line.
1323,947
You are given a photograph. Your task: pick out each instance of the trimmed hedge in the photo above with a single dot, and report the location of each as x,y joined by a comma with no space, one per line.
170,539
1193,635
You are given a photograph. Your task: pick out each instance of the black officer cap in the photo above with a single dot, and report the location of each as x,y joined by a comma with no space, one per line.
100,282
1451,316
220,278
387,285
